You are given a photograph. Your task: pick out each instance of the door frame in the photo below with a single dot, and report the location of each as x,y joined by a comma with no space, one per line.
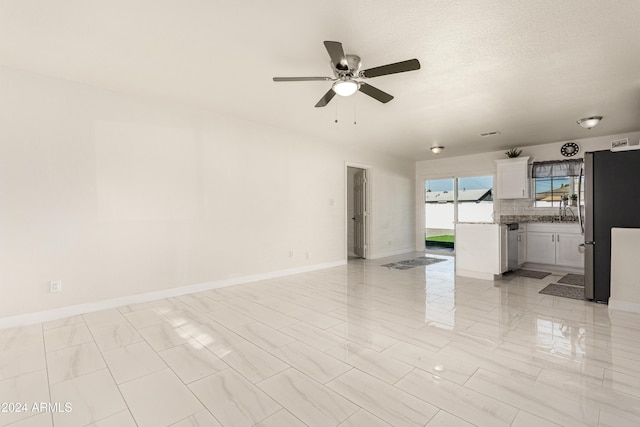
368,205
420,197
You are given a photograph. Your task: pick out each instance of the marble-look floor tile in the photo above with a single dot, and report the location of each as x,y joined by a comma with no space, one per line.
26,389
379,365
163,336
280,419
364,418
65,321
315,364
132,361
186,317
371,346
444,366
216,338
525,419
547,402
145,318
73,362
159,399
95,318
199,419
310,335
121,419
219,393
20,337
109,336
363,335
458,400
40,420
66,336
21,360
399,408
263,336
259,312
622,382
93,397
311,402
192,361
445,419
612,419
252,362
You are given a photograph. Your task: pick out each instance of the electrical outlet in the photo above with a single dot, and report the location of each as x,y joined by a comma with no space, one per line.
55,286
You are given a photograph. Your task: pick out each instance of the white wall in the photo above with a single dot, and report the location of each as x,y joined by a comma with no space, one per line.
120,195
484,164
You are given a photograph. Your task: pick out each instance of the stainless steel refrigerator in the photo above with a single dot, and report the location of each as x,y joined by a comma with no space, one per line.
612,199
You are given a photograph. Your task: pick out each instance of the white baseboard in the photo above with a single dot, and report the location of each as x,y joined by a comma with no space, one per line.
632,307
73,310
475,274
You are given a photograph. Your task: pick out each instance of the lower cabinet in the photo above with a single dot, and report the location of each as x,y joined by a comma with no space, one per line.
555,244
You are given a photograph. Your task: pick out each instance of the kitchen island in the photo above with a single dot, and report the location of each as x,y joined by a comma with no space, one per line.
479,249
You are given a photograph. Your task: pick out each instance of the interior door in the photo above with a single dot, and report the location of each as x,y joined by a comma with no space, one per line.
360,213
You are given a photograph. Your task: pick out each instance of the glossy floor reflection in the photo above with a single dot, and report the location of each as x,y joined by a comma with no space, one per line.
359,345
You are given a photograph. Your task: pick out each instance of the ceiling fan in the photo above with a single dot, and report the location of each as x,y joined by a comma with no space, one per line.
347,75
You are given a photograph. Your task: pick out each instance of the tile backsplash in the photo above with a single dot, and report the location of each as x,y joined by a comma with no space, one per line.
519,207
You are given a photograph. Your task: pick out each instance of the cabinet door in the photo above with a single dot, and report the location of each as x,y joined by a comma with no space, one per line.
513,180
522,248
541,247
568,250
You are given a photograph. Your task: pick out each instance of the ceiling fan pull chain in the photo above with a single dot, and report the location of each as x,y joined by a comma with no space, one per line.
355,113
336,121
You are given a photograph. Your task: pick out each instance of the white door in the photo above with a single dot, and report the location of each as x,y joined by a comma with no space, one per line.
360,213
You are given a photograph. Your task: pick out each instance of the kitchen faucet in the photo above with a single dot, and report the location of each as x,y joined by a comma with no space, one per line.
562,212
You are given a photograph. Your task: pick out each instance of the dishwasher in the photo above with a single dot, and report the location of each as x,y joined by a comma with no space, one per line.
512,247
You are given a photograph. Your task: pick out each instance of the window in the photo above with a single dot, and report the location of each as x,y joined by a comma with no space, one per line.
556,183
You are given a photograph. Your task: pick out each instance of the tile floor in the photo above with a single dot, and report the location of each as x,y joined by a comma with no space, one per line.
359,345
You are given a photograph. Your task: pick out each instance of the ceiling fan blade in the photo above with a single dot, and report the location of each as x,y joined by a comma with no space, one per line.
376,93
300,79
336,53
398,67
326,98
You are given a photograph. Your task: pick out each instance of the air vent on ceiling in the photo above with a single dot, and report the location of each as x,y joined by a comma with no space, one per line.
492,133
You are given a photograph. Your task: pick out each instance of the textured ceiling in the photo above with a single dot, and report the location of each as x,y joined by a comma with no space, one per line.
528,69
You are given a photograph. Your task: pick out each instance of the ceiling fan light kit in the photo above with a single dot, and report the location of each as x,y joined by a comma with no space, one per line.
345,87
589,122
348,76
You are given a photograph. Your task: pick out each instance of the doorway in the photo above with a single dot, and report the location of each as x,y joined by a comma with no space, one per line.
439,211
357,211
451,200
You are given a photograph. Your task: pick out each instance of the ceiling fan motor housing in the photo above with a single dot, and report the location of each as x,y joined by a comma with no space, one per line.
353,62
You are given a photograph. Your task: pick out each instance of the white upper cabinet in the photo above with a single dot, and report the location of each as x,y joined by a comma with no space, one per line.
513,178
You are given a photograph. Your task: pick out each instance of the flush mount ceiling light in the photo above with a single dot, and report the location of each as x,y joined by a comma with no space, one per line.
437,149
589,122
345,87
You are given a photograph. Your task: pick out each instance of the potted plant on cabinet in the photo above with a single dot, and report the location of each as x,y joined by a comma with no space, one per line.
574,199
513,153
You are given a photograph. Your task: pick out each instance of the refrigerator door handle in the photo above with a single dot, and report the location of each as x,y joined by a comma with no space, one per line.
579,205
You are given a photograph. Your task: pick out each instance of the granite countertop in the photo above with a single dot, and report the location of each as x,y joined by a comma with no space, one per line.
511,219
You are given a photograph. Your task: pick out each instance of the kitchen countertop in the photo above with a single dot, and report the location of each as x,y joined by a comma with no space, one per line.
511,219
